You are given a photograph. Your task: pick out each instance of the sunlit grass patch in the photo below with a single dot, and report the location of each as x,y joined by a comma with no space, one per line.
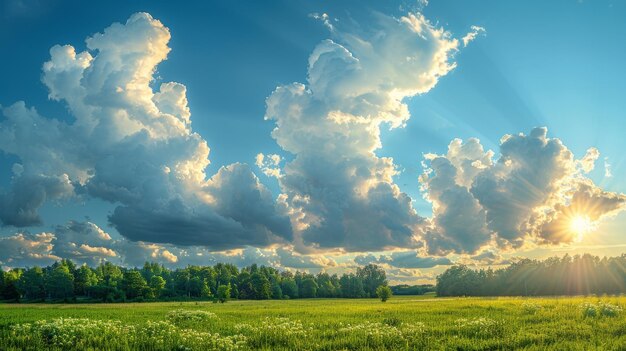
402,323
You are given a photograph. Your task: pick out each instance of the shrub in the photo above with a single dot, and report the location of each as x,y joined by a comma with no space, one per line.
383,292
181,316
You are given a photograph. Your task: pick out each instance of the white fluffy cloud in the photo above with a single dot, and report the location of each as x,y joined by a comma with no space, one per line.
533,192
83,242
340,194
131,146
22,250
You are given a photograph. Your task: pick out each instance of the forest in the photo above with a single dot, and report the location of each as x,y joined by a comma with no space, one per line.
64,281
569,275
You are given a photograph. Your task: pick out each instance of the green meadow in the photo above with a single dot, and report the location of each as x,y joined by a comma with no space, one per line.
402,323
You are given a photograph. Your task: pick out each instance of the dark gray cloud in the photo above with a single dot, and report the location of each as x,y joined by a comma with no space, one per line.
19,206
403,259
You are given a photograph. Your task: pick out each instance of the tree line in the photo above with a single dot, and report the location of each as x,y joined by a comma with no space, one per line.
405,289
569,275
64,281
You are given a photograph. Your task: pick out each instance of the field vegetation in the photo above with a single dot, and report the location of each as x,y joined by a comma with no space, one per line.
402,323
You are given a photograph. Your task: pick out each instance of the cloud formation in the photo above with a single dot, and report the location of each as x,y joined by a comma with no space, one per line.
21,250
403,259
531,193
131,143
133,147
339,192
86,243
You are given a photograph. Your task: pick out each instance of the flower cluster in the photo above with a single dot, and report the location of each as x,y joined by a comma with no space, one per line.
383,334
180,316
72,332
164,333
83,333
602,308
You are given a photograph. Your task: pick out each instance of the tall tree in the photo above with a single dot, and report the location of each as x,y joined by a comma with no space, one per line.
84,280
223,293
31,284
309,287
60,282
289,287
372,277
157,284
133,284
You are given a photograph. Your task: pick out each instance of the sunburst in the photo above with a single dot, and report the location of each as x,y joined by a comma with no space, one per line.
581,225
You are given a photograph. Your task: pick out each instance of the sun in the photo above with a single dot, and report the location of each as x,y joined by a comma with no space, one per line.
581,225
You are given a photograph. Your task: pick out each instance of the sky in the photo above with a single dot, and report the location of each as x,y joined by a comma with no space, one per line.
311,135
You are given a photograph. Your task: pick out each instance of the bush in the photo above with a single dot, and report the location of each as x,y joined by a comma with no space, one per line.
383,292
181,316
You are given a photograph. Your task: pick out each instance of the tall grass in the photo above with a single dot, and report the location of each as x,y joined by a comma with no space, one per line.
403,323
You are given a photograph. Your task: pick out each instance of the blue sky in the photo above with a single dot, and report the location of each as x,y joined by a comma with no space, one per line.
556,64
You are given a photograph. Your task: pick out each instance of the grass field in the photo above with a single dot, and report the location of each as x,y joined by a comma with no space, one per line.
402,323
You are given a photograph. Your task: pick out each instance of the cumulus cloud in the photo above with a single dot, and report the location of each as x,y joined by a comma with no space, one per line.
131,146
338,191
24,249
269,164
535,186
587,203
83,242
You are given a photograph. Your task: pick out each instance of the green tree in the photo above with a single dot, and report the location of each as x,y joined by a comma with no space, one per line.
309,287
289,288
383,292
60,283
206,291
157,284
31,284
223,293
182,279
196,286
109,274
325,286
351,286
133,284
10,281
277,292
372,277
261,289
84,280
